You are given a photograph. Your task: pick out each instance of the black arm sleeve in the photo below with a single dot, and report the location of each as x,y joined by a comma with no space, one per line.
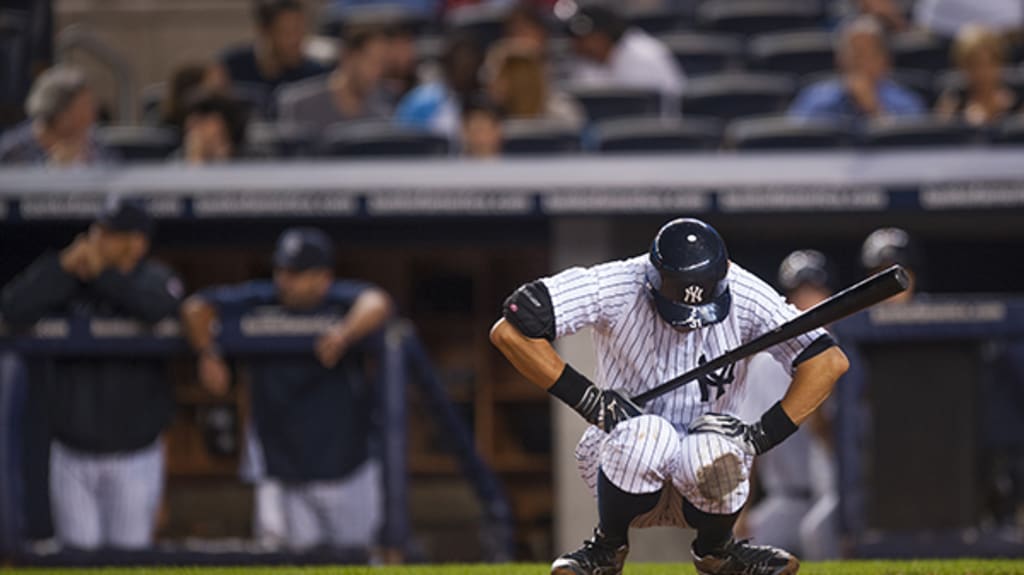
42,288
817,346
150,293
529,308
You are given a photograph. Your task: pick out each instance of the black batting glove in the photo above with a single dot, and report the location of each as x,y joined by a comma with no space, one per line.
600,407
605,408
754,438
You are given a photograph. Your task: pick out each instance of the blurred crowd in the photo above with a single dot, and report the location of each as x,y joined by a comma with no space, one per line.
483,79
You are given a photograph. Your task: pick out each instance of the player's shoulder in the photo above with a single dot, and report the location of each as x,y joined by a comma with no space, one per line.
251,292
746,285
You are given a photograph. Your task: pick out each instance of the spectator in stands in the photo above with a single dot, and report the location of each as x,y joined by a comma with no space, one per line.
401,73
436,106
106,413
276,56
980,54
312,413
185,80
61,111
864,89
519,85
481,129
353,91
214,129
525,28
614,54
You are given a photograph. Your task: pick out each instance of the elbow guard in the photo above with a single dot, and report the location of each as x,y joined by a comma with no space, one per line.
530,310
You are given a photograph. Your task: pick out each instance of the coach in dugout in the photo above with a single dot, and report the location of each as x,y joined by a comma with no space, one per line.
106,414
312,411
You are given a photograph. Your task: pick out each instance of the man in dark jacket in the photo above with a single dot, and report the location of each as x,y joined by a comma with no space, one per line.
312,410
106,414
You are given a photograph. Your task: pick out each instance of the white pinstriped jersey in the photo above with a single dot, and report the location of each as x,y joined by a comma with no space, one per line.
637,350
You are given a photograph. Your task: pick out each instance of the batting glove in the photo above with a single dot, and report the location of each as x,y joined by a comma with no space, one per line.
605,408
754,438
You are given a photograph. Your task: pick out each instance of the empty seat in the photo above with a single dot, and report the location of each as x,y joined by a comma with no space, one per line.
759,16
919,50
737,94
702,53
605,103
525,137
654,20
279,140
657,134
916,133
782,133
380,139
139,143
803,52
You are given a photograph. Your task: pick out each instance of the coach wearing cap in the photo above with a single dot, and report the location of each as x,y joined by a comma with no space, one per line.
106,413
312,411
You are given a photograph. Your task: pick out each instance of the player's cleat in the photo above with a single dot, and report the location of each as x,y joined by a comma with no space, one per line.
742,558
596,557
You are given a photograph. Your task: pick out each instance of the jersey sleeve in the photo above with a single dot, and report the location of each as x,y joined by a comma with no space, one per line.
592,297
763,309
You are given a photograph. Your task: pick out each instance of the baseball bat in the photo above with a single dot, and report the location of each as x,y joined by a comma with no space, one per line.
853,299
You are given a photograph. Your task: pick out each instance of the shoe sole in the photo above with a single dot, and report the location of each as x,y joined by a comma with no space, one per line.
574,571
789,569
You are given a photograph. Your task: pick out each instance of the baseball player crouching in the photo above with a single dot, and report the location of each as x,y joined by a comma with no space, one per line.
685,459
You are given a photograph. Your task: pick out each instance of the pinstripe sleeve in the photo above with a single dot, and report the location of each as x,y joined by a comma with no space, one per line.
761,310
594,296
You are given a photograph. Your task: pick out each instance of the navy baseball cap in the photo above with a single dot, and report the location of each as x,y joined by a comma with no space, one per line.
301,249
125,215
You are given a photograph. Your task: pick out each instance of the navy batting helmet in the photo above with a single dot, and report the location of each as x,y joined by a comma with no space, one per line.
804,267
888,246
687,281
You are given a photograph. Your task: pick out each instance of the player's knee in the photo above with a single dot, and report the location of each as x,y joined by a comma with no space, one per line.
713,473
640,454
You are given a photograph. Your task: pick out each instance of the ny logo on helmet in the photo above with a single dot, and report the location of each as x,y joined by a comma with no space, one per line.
693,294
717,379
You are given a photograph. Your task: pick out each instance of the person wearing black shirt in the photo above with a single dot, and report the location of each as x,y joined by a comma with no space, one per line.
107,414
311,411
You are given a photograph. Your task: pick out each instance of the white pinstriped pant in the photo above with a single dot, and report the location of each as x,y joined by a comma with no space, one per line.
106,500
646,454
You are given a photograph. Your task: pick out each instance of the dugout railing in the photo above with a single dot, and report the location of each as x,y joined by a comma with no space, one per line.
402,361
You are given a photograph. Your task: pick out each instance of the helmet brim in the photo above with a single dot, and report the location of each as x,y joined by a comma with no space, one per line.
686,317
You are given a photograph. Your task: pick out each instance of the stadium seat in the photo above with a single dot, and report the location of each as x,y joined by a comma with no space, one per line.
782,133
758,16
278,140
657,134
485,21
804,52
737,94
380,139
139,143
1010,132
917,133
603,103
654,20
955,81
525,137
257,97
702,53
919,51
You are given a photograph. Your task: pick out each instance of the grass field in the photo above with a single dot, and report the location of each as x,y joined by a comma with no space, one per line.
953,567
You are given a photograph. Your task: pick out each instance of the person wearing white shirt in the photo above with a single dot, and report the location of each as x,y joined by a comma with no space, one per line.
613,54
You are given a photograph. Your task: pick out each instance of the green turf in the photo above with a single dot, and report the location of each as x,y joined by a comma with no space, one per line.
957,567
